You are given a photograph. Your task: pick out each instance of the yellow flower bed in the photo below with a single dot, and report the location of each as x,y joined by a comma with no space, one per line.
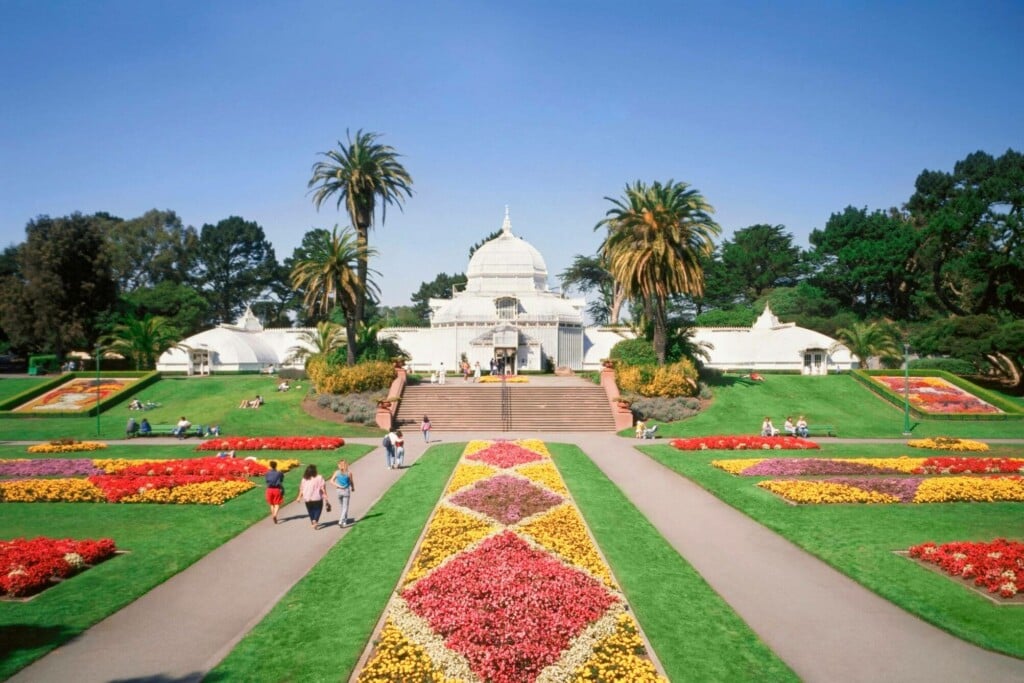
115,465
399,659
902,464
545,474
970,489
67,447
496,379
535,445
820,492
282,465
450,532
735,466
50,491
475,446
466,474
205,493
563,531
946,443
615,657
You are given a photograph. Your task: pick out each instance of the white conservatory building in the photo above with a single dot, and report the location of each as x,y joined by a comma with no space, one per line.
506,312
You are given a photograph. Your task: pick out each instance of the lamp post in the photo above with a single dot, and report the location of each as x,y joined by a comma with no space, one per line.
906,389
98,351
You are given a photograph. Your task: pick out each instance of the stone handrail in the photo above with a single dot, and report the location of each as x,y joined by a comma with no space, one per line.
385,417
623,415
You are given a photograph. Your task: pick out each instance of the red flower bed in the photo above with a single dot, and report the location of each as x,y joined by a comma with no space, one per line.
505,454
29,565
742,443
971,466
118,486
234,468
509,609
998,566
273,443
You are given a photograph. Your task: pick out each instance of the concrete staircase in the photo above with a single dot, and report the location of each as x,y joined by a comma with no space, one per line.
457,406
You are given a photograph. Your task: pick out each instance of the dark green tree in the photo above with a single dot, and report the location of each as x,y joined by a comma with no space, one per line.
234,265
141,339
62,287
973,234
184,308
759,258
441,287
151,249
589,274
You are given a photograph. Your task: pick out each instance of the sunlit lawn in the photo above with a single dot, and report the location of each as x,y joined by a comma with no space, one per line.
859,540
203,400
161,540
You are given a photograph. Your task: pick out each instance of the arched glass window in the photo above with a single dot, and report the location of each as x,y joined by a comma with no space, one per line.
507,307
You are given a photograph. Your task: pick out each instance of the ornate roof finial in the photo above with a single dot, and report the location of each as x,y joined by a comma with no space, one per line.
506,225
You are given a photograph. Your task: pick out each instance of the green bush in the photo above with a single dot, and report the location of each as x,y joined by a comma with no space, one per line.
955,366
634,352
668,381
334,379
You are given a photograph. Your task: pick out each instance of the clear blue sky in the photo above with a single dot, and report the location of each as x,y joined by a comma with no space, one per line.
779,113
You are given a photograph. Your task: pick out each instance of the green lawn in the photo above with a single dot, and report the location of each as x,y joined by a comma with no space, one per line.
161,540
12,386
859,540
739,406
318,631
203,400
695,634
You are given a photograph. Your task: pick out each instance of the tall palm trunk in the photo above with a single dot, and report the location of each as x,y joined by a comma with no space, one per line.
656,314
363,220
350,339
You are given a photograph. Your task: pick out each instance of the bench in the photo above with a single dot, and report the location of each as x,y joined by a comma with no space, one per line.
821,430
168,430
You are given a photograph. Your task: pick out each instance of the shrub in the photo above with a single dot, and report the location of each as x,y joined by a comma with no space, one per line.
955,366
666,409
634,352
332,379
677,379
356,408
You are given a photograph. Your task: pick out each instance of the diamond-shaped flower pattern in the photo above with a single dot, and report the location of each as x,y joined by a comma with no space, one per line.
506,498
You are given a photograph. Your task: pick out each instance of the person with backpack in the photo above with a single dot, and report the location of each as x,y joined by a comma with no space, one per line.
389,448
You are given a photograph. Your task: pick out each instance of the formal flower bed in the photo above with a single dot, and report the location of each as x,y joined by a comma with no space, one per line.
507,585
67,447
997,566
48,468
796,467
936,395
948,443
29,565
273,443
901,490
496,379
743,443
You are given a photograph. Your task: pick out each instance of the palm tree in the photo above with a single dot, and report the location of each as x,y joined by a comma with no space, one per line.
141,339
588,274
322,341
330,279
358,175
865,340
657,235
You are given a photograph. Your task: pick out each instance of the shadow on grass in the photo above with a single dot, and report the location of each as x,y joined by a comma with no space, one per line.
193,677
15,637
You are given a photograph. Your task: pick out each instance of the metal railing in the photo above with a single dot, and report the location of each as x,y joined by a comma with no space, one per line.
506,406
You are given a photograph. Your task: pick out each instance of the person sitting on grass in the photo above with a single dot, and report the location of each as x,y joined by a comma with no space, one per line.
284,386
136,404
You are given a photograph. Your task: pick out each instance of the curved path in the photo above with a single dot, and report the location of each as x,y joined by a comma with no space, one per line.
825,626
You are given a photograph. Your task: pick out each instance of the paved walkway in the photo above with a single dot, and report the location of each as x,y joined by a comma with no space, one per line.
825,626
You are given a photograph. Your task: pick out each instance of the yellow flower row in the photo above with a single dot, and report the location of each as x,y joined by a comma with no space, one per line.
821,492
970,489
50,491
475,446
450,532
945,443
398,659
204,493
511,379
735,466
616,657
466,474
114,465
545,474
67,447
562,530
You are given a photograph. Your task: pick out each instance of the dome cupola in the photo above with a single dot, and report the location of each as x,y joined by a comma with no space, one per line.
506,264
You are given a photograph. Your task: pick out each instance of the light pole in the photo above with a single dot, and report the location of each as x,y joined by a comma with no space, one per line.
906,389
98,351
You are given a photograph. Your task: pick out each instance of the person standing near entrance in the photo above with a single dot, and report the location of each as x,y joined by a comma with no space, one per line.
494,366
476,371
440,374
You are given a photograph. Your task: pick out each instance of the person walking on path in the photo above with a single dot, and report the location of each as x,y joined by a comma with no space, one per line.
425,428
313,491
345,483
275,489
399,458
389,448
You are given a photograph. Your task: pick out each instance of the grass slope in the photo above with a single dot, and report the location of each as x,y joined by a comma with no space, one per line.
839,400
859,540
204,400
162,540
318,631
695,634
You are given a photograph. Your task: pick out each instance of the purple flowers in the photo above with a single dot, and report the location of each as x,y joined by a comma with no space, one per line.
48,468
795,467
904,488
506,498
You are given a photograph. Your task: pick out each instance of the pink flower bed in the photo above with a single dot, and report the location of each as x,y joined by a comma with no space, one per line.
505,454
507,499
29,565
936,395
742,443
997,566
511,623
794,467
53,467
